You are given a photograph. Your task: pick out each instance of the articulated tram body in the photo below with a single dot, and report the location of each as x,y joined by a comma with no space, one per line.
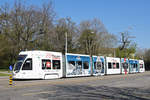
77,65
133,66
113,65
51,65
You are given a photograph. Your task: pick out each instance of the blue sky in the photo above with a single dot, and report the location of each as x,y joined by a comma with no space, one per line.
116,15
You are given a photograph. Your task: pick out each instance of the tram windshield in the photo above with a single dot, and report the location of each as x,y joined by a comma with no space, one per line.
19,62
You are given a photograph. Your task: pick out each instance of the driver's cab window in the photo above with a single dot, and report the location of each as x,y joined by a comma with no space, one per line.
27,64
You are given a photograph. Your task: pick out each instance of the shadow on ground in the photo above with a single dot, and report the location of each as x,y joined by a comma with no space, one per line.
82,92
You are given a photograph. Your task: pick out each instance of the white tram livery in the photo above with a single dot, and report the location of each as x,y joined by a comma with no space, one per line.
38,65
141,66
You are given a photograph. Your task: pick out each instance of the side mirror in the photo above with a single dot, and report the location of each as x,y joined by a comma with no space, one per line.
10,68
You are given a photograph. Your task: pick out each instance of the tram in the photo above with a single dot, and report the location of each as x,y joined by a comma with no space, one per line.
38,64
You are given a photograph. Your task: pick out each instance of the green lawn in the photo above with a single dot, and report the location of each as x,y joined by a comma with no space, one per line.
5,70
2,74
1,70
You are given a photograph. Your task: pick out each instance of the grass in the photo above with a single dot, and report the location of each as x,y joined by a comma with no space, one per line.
3,74
5,70
2,70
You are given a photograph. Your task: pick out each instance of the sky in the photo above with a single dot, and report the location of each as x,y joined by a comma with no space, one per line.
117,15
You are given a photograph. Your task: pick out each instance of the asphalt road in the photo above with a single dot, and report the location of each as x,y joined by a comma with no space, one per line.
112,87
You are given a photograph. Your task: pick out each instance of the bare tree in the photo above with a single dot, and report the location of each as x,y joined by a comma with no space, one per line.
63,26
27,26
103,38
125,40
88,43
127,47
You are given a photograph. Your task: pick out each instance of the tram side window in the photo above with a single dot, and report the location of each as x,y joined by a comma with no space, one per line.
117,65
56,64
94,65
27,65
71,63
46,64
141,65
102,71
99,65
136,66
79,65
85,65
114,65
109,65
102,64
132,65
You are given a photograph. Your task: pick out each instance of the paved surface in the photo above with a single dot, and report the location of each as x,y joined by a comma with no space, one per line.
5,72
112,87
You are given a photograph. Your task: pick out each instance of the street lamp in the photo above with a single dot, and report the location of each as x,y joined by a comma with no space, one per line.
65,56
66,43
91,60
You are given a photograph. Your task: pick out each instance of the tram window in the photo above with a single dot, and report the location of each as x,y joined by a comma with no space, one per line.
99,65
141,65
71,63
114,65
79,65
117,65
94,65
79,62
102,71
136,66
85,65
102,64
132,65
27,65
46,64
109,65
56,64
